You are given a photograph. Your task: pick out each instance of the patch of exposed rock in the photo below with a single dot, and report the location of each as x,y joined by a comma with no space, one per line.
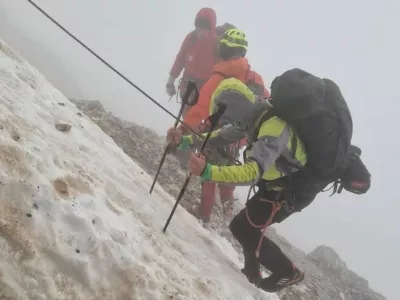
332,267
327,276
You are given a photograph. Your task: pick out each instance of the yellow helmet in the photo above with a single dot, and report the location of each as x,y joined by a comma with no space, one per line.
234,38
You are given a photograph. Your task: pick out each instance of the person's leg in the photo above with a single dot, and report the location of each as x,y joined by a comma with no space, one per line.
243,227
205,208
258,213
247,237
227,199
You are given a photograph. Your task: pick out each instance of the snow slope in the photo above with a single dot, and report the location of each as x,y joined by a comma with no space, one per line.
76,219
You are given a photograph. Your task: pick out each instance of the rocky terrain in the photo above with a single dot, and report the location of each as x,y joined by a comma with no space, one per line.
327,276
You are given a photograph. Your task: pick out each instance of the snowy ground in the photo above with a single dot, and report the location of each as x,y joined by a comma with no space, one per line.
76,219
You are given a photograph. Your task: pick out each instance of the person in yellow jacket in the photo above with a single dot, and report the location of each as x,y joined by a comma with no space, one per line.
274,152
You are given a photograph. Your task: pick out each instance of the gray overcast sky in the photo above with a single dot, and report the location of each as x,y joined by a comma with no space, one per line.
356,43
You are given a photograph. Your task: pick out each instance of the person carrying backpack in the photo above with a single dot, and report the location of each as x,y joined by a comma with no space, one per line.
232,50
299,142
197,55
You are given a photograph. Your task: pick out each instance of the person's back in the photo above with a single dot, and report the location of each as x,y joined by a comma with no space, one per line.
196,56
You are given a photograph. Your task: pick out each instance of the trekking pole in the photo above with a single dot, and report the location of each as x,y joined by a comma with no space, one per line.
190,98
214,121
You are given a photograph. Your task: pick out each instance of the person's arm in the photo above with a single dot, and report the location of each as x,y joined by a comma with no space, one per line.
272,140
224,136
179,63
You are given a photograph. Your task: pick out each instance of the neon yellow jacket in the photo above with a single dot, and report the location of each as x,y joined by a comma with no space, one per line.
243,118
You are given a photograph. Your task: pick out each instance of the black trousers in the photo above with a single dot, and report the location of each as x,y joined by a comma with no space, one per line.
270,255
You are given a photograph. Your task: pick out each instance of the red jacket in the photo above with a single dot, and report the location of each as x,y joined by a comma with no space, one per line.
196,56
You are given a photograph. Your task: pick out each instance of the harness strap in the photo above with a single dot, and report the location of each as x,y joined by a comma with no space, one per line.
276,206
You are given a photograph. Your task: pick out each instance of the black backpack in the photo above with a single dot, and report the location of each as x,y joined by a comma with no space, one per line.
318,113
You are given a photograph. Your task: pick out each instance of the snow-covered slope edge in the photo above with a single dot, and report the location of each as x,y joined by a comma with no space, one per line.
76,220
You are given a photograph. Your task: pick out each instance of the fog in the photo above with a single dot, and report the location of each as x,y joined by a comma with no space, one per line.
355,43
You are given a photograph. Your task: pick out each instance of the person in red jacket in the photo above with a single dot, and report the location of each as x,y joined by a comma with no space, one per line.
232,63
196,58
197,54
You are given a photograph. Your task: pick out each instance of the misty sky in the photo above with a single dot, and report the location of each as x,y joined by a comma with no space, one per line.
355,43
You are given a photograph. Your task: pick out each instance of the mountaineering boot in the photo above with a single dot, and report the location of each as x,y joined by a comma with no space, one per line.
253,277
275,282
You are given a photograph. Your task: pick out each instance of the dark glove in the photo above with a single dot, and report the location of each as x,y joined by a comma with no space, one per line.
171,90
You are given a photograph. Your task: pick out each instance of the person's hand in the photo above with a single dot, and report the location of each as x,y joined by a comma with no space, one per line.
171,90
170,86
197,164
183,129
174,136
